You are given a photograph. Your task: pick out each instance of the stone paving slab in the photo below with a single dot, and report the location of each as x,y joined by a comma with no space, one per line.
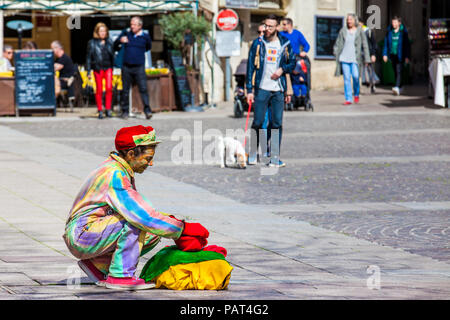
16,278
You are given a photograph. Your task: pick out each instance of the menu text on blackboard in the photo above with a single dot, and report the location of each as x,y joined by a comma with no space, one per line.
34,79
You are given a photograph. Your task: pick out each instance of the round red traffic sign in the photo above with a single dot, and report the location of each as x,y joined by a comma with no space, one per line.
227,20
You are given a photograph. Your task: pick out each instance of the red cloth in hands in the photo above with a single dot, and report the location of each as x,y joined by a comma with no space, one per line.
190,243
195,230
215,248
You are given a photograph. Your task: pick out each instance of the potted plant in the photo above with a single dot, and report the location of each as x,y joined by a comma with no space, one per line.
182,29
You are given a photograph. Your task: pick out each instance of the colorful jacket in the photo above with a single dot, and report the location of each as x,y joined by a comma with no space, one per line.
110,189
255,66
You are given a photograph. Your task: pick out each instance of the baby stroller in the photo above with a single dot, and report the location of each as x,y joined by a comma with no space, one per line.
240,99
301,85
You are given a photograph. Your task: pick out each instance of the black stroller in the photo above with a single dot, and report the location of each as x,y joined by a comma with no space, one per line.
301,84
240,99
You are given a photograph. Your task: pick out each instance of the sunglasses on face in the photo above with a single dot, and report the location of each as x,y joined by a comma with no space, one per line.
269,27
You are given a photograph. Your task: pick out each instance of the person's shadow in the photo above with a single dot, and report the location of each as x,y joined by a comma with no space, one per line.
411,96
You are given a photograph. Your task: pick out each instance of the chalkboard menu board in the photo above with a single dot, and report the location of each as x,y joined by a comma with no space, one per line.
183,92
34,79
326,31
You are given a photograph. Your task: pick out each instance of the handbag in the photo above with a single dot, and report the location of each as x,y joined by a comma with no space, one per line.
369,75
118,58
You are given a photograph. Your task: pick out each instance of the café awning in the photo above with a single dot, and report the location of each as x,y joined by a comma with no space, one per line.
115,7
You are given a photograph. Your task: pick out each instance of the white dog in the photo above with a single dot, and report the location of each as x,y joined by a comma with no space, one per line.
231,148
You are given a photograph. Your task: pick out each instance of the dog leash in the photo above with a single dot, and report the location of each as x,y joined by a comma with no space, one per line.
246,122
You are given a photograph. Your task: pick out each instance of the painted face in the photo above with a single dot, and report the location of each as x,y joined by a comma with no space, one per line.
271,28
141,162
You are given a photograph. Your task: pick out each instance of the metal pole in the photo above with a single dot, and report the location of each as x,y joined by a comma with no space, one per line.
193,57
211,45
202,70
227,79
19,33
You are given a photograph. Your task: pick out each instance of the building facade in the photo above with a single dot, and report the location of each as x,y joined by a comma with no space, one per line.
304,13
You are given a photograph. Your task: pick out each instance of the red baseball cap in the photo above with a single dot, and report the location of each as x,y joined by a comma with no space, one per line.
131,137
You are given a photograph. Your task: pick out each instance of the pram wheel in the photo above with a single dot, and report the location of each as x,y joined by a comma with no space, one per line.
309,107
289,106
238,109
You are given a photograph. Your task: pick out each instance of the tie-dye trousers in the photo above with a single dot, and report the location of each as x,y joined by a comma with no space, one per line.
111,243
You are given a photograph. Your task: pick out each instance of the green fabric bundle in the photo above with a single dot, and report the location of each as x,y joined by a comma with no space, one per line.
171,256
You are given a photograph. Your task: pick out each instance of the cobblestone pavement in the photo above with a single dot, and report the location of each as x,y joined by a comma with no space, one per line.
376,175
423,232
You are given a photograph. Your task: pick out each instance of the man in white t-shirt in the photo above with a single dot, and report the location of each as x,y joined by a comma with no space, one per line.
5,61
270,59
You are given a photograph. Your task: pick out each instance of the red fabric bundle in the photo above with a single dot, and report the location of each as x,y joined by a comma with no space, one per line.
189,243
195,230
215,248
193,237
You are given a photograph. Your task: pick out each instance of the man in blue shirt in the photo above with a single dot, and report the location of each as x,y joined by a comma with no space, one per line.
300,82
136,43
295,37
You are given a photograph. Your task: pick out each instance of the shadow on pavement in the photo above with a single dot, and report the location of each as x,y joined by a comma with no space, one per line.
414,102
415,95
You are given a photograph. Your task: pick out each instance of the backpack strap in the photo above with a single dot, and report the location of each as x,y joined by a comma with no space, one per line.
256,63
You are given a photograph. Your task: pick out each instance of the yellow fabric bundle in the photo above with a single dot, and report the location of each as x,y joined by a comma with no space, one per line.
205,275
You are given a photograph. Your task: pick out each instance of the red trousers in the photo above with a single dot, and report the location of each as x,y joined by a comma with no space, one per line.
99,76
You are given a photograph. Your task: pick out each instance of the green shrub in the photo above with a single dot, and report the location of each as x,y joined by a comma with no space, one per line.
174,25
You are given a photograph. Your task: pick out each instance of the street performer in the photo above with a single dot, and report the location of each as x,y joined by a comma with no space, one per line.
111,224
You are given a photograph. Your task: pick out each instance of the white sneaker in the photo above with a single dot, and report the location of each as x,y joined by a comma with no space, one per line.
280,164
396,91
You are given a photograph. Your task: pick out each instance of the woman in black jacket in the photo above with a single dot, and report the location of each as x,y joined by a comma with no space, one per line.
100,58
